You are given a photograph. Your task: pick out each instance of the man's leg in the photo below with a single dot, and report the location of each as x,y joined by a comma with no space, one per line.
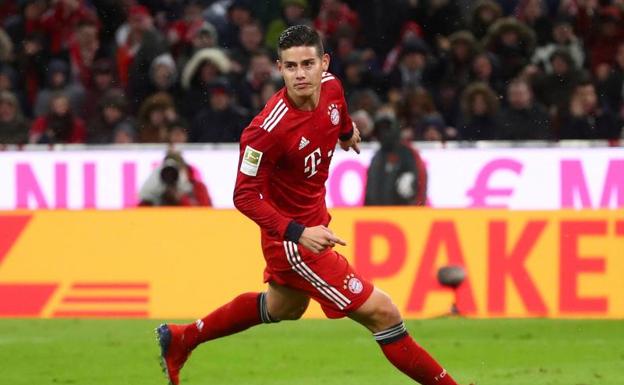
246,310
382,317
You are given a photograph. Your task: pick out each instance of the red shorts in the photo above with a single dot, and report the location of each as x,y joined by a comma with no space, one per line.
327,277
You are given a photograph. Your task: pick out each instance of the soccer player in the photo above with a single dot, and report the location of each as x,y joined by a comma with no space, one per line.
284,162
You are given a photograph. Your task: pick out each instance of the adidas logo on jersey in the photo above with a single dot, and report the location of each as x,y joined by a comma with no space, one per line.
304,142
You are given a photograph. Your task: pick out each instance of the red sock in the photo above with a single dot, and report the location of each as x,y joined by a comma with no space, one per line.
407,356
241,313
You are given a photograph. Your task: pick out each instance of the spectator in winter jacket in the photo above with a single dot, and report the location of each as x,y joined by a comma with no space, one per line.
396,175
523,119
138,43
480,115
563,39
513,43
13,126
155,115
110,118
199,73
586,118
222,120
59,81
59,125
484,14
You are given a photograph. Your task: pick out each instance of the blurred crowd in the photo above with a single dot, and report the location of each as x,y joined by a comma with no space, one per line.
154,71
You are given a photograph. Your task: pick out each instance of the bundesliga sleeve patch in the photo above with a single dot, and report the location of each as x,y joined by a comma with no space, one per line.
251,161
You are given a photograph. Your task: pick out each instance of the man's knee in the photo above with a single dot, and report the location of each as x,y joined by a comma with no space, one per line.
386,315
378,313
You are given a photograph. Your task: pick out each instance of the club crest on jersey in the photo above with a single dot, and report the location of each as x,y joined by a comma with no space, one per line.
334,114
354,285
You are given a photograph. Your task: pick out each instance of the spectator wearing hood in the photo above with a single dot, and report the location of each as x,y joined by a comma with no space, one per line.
13,126
59,124
59,81
454,64
222,120
480,113
155,115
111,117
484,14
199,73
396,175
163,77
513,43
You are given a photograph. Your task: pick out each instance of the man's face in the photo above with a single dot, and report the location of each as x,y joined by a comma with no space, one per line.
562,33
587,96
302,68
519,96
250,37
260,67
7,111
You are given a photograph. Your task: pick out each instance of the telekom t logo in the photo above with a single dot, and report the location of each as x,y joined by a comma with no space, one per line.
311,161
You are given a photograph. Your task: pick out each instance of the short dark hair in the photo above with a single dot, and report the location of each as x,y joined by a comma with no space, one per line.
299,35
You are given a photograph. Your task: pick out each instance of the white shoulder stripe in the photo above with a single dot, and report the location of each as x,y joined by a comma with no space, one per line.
328,78
277,106
271,118
277,119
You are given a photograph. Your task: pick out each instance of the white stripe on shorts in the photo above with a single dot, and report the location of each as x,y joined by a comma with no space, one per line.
297,264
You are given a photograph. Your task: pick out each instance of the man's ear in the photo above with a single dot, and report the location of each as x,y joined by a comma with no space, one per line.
279,65
325,61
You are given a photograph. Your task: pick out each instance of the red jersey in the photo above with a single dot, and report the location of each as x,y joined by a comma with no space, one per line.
284,161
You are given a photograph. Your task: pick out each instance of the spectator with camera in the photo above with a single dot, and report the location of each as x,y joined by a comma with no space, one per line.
174,183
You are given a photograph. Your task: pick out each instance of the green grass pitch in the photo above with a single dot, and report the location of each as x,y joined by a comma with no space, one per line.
314,352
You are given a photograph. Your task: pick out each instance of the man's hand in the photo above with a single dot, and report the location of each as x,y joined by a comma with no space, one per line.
318,238
353,142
